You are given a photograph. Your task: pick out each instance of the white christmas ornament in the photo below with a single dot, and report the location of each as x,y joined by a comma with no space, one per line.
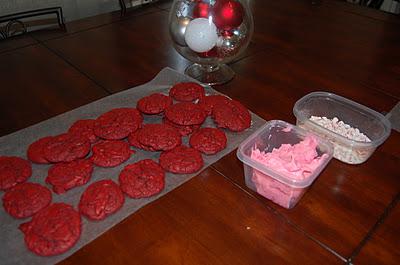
201,35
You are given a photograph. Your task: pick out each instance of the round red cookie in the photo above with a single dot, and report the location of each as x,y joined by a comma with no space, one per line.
35,151
85,129
66,148
26,199
109,153
65,176
53,230
182,129
133,141
154,103
159,137
13,170
142,179
117,123
186,91
208,140
181,160
231,115
208,102
101,199
185,113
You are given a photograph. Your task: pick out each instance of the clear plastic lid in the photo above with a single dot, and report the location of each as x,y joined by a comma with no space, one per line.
324,104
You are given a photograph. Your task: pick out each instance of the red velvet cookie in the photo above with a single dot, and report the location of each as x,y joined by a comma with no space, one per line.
53,230
208,102
118,123
133,141
26,199
185,113
208,140
142,179
232,115
85,129
182,129
13,170
65,176
159,137
186,91
101,199
35,151
110,153
154,103
181,160
66,148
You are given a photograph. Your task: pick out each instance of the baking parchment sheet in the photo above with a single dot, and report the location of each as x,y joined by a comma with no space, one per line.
12,246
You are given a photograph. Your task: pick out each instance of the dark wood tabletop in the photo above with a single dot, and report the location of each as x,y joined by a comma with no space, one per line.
351,214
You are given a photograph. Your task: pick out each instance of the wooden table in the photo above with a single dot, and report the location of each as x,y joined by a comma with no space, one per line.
350,214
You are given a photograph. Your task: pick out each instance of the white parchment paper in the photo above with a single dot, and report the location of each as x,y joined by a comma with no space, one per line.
12,246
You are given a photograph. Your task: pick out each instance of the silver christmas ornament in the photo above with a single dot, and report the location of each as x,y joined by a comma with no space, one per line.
183,9
177,29
230,44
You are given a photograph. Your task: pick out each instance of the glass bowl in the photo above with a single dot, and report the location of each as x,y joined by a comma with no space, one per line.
210,33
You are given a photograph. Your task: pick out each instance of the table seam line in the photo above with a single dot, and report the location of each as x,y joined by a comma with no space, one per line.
21,47
288,221
75,67
374,228
121,18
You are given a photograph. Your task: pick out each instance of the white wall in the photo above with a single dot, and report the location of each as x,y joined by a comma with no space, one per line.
391,6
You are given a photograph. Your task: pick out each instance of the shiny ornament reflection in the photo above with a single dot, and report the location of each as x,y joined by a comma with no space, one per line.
177,30
230,42
183,9
201,9
227,14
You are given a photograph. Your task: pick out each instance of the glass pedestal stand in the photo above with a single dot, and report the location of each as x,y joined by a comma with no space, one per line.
210,74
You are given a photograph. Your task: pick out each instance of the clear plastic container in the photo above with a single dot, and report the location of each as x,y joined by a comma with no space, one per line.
371,123
276,183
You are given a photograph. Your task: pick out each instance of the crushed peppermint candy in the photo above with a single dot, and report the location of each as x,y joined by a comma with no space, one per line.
341,128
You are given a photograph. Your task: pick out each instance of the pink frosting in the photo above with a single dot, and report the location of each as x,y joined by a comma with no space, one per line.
295,162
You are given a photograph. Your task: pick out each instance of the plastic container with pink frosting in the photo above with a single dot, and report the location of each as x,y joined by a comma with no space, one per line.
281,161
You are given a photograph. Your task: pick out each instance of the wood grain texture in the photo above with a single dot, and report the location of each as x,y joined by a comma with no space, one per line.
16,43
37,85
269,83
383,247
123,63
214,218
347,44
341,206
91,22
345,205
206,221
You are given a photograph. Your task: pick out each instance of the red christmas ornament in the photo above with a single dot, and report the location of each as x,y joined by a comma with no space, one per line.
226,33
227,14
201,9
209,54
